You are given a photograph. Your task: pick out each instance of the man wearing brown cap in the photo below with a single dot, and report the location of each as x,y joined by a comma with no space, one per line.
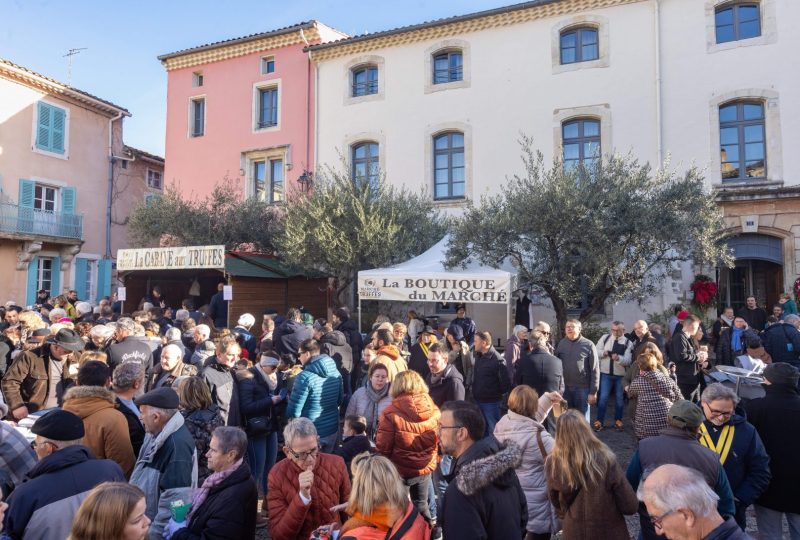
166,469
39,377
678,445
776,417
44,506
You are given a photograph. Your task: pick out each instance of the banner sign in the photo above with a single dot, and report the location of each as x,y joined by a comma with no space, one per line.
172,258
459,288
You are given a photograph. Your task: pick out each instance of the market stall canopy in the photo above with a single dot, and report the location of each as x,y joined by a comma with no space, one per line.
425,279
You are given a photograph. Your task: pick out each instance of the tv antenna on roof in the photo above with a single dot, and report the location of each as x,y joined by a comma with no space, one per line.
69,55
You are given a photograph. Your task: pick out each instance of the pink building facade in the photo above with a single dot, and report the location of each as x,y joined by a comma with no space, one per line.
242,110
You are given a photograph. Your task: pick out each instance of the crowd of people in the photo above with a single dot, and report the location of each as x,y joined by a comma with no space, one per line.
165,424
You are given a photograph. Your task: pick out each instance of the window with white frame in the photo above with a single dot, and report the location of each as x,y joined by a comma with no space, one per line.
364,81
197,116
267,65
267,107
197,78
268,180
154,179
45,198
44,279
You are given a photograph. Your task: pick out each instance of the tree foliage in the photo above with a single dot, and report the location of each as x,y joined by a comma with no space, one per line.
343,226
223,217
612,230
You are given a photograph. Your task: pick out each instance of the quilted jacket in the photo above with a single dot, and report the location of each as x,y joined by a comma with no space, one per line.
407,434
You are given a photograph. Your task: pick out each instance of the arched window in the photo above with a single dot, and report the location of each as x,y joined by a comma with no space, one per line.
448,66
365,80
448,165
581,142
579,45
365,162
742,140
734,22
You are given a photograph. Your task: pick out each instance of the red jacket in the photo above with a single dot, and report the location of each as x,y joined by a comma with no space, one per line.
289,518
407,434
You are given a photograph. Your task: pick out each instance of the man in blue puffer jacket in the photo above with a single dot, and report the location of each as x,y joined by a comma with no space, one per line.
317,393
738,445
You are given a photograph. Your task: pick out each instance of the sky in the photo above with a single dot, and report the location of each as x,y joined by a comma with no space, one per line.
123,38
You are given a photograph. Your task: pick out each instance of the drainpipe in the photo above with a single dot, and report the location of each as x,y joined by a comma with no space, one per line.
110,182
657,34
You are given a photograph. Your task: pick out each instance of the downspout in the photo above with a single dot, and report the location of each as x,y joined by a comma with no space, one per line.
110,182
659,127
307,164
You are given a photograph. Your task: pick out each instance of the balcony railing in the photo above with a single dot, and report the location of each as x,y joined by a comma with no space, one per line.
26,221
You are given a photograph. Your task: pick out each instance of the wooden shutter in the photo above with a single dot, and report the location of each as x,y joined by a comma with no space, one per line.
81,268
26,192
103,278
68,200
43,126
55,290
58,124
33,281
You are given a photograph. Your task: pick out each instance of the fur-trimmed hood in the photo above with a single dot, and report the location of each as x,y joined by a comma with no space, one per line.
87,400
487,462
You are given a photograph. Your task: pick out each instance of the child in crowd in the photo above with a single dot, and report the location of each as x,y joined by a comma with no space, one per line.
354,441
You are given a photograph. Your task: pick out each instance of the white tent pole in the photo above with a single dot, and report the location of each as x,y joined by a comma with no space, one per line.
359,314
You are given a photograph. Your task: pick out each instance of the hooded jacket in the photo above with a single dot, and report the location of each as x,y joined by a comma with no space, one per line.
782,342
107,434
390,356
224,391
316,394
407,434
229,510
360,529
484,500
353,336
288,336
166,471
44,506
522,431
776,417
335,345
747,462
27,381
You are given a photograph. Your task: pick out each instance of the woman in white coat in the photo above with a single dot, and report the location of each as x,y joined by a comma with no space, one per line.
522,426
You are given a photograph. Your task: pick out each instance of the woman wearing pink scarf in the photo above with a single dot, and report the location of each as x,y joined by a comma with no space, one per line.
225,505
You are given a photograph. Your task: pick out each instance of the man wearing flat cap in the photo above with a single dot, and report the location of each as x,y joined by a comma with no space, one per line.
776,417
678,445
45,505
39,377
166,469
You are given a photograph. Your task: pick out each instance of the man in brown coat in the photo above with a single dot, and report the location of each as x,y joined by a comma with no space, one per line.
107,434
39,377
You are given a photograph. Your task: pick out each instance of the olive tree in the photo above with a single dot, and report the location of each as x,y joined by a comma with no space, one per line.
344,225
609,231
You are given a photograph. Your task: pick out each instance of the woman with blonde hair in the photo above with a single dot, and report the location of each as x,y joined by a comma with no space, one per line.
586,484
379,503
88,356
655,392
112,511
523,426
407,435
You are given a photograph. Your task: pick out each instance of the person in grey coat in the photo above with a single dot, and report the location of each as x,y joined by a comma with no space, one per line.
581,368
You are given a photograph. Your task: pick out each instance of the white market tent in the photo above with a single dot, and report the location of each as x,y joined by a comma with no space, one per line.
425,279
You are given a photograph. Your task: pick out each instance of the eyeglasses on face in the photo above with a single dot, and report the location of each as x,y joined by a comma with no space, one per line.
302,456
440,428
656,520
715,413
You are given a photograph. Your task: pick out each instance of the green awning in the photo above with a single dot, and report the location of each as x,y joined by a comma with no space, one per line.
261,266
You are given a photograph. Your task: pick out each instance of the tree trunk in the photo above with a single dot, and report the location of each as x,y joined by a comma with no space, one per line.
560,307
343,284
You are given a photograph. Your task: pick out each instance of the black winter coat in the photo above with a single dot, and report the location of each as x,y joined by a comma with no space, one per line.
490,377
682,352
484,500
201,423
778,339
135,427
541,371
131,349
255,398
776,417
287,337
449,388
229,511
335,345
418,361
350,330
221,380
351,447
726,354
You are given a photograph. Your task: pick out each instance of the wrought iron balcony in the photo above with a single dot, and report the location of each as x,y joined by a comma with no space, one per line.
27,222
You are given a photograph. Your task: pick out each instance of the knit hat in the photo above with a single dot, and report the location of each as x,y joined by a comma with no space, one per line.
308,319
59,425
782,373
685,414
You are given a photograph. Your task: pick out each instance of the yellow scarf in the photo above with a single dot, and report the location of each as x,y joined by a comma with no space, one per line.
724,442
424,348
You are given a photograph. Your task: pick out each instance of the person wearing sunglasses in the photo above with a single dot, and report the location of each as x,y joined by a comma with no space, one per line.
681,505
738,446
303,489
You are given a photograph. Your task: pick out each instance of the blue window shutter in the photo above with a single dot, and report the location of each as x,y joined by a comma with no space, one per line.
103,278
55,289
26,191
33,281
81,268
68,200
43,124
58,124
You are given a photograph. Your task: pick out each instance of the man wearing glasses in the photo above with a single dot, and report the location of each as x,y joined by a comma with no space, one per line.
304,488
738,446
681,505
